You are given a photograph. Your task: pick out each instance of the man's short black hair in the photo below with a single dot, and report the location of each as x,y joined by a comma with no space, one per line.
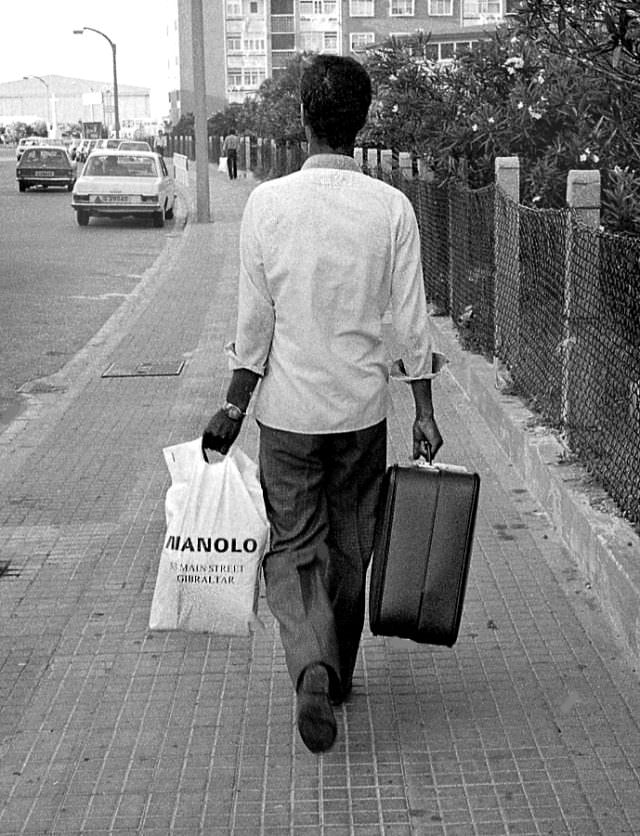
336,94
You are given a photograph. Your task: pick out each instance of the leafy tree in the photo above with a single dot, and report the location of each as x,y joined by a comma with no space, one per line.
276,113
603,35
184,126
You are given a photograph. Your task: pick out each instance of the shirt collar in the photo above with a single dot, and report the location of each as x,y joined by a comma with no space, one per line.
339,161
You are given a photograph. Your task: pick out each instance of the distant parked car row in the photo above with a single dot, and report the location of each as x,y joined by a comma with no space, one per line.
128,181
86,146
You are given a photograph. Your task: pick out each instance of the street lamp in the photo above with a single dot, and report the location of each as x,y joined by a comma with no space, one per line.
49,122
116,112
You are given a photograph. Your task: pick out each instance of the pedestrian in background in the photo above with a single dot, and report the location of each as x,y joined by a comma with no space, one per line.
160,143
230,151
324,253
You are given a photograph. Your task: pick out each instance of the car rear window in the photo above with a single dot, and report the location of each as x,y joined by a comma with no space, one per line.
129,166
52,157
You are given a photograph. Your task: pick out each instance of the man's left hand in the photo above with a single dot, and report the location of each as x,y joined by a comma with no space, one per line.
426,438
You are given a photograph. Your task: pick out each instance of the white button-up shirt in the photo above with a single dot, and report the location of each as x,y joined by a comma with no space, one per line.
324,253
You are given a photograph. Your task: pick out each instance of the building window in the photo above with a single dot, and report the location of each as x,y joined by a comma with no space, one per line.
254,45
482,8
402,8
234,78
253,7
361,40
282,23
280,42
440,8
317,7
253,77
281,7
234,8
330,41
361,8
234,44
431,52
447,51
311,41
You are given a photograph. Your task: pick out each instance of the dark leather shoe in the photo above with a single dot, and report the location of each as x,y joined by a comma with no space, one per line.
342,695
316,721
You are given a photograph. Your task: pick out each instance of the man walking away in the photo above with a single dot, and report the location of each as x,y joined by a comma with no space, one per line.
324,253
230,151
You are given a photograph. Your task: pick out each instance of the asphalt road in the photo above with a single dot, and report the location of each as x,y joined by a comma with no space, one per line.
59,283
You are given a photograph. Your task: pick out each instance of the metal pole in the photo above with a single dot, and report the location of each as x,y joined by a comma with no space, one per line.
116,109
200,114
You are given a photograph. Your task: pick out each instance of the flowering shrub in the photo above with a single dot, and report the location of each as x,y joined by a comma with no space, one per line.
520,92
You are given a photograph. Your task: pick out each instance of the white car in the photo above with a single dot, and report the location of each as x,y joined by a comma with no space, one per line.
124,183
134,145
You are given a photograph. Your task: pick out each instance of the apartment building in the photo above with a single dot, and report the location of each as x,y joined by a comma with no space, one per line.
248,41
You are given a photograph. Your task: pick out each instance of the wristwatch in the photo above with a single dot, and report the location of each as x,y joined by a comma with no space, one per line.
232,411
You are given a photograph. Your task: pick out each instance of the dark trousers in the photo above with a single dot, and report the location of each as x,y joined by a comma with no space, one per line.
321,494
232,164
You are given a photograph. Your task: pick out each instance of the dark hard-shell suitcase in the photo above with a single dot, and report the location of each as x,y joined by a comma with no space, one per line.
422,551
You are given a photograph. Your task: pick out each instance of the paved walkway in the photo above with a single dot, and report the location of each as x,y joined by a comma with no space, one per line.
530,725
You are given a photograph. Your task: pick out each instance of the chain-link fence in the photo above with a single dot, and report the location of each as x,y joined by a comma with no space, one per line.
531,304
602,410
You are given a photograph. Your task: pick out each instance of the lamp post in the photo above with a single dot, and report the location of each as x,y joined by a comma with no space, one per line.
116,112
51,126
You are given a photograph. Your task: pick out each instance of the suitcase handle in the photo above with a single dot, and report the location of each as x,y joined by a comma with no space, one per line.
428,464
425,461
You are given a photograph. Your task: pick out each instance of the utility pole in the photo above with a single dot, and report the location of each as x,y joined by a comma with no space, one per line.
200,114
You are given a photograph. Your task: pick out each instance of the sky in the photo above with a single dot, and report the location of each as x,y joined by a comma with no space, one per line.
36,38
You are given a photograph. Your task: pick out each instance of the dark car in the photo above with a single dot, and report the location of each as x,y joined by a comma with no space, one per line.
46,166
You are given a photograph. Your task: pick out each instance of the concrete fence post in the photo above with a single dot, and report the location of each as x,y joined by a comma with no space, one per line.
507,263
581,282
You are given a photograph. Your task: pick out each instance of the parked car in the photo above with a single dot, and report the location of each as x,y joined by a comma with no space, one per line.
84,149
46,166
134,145
124,183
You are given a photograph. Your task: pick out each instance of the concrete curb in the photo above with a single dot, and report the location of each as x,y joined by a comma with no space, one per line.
604,546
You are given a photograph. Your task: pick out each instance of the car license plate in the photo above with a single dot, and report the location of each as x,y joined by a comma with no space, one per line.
112,198
45,173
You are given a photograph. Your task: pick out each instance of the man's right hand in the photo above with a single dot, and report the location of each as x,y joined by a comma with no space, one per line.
220,433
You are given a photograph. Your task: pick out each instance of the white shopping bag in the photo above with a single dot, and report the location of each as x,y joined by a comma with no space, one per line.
222,165
217,534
